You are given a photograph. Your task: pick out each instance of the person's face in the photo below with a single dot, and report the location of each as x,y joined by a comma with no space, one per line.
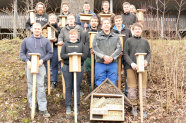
86,7
94,23
36,30
73,36
137,31
106,25
52,19
118,22
65,8
71,20
105,6
126,8
40,9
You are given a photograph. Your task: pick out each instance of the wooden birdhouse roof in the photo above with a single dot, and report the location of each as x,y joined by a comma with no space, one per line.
49,25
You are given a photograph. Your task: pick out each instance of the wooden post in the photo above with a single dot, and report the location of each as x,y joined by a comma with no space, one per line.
32,16
85,18
48,72
75,66
34,70
140,15
140,70
15,19
92,34
119,62
63,20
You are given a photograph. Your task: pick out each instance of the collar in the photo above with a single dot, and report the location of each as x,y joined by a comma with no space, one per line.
32,36
111,34
127,13
89,12
74,42
122,27
137,37
66,14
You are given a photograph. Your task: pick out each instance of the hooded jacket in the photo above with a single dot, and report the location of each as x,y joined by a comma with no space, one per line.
106,45
42,19
70,47
35,45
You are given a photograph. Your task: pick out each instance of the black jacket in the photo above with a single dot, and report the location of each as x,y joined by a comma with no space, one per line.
135,45
70,47
129,19
42,19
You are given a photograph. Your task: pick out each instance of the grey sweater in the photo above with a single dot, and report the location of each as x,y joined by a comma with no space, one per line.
135,45
106,45
129,19
35,45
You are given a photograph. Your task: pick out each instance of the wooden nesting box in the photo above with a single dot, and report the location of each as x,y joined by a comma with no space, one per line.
92,35
105,16
140,14
75,62
85,17
48,31
63,20
34,62
32,16
121,36
140,61
107,107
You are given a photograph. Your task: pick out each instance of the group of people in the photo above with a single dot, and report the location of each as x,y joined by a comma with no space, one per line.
74,37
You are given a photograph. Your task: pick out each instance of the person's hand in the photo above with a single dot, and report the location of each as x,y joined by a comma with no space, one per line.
110,59
60,43
145,63
91,51
59,24
121,54
29,64
106,59
40,62
134,66
54,40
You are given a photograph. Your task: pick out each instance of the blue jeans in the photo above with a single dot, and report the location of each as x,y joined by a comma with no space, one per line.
103,71
69,80
54,62
125,72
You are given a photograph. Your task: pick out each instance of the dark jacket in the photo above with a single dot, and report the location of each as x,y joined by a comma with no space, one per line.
70,47
123,31
35,45
135,45
82,23
106,45
42,19
129,19
64,33
87,39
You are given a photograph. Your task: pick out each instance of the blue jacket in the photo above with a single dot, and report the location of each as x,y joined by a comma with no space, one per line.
35,45
82,23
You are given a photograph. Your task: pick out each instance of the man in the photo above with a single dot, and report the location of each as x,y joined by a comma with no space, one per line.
133,45
120,28
86,10
93,28
107,48
105,7
41,16
36,44
128,18
64,33
65,11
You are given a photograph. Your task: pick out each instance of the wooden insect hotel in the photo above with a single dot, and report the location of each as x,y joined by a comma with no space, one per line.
48,31
63,20
32,16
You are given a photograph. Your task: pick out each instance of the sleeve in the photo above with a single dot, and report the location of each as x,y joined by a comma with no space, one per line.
49,51
96,49
63,53
23,52
78,19
28,25
85,52
117,52
126,51
82,35
148,53
60,36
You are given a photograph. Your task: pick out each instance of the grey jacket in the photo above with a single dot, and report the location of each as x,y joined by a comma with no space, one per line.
64,33
106,45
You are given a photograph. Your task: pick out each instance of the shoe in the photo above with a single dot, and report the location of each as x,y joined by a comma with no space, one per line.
53,85
134,112
44,113
68,110
81,93
46,85
144,114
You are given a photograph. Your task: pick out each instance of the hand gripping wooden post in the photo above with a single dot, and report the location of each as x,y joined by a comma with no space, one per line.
119,62
75,66
85,18
62,77
63,20
92,34
140,70
140,15
32,16
34,70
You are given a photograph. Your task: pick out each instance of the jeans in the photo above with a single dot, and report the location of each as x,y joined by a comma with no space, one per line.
69,80
103,71
54,62
125,72
41,96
